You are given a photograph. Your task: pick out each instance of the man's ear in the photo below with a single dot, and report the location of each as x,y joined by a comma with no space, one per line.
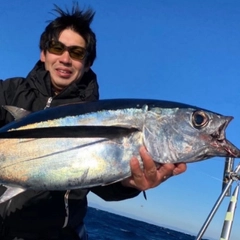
42,56
87,67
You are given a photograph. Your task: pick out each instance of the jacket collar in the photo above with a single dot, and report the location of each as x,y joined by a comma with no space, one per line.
40,80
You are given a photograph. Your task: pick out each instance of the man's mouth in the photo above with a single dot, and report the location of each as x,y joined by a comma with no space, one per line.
64,73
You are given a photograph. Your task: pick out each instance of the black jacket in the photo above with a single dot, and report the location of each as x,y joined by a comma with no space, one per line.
46,210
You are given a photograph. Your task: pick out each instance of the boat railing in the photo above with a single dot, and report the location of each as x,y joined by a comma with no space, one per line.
229,176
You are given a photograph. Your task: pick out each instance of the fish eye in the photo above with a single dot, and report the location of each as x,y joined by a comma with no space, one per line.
199,119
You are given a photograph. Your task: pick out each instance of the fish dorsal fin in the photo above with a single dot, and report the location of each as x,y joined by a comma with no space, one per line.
16,112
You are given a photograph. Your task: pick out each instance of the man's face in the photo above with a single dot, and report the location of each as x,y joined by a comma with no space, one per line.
63,69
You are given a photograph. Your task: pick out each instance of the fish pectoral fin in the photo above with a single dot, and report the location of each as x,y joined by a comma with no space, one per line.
109,131
124,125
70,132
16,112
10,193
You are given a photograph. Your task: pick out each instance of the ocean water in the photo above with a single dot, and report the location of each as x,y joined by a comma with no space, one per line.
102,225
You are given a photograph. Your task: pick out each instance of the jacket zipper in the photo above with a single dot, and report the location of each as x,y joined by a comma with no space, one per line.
66,208
49,101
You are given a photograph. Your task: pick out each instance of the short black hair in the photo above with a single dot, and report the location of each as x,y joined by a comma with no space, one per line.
77,20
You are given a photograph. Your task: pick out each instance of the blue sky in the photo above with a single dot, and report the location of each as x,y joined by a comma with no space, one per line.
179,50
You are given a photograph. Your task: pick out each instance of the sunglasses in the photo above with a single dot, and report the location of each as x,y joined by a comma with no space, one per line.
58,48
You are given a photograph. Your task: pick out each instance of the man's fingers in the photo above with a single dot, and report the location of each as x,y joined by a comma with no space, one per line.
148,175
179,168
135,168
137,174
166,171
150,169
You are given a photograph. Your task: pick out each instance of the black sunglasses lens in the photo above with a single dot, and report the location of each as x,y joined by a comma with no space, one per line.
56,47
77,53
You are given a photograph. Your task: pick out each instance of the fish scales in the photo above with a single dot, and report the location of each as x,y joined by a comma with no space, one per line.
69,158
53,152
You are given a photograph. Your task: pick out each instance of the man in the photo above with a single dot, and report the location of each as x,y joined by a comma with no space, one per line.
63,75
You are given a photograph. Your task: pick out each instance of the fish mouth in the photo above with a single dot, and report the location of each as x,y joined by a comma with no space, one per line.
225,147
230,149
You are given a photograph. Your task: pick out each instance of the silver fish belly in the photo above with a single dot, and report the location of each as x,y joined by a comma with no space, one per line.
91,144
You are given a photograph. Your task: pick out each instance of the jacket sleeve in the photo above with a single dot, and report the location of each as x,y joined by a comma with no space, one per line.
90,86
7,92
3,87
115,192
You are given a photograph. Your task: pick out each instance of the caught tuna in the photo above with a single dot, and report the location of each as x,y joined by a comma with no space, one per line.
90,144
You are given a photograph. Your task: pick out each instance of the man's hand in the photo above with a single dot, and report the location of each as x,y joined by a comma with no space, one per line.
151,176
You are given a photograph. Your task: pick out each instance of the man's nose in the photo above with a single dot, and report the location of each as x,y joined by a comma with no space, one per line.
65,57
